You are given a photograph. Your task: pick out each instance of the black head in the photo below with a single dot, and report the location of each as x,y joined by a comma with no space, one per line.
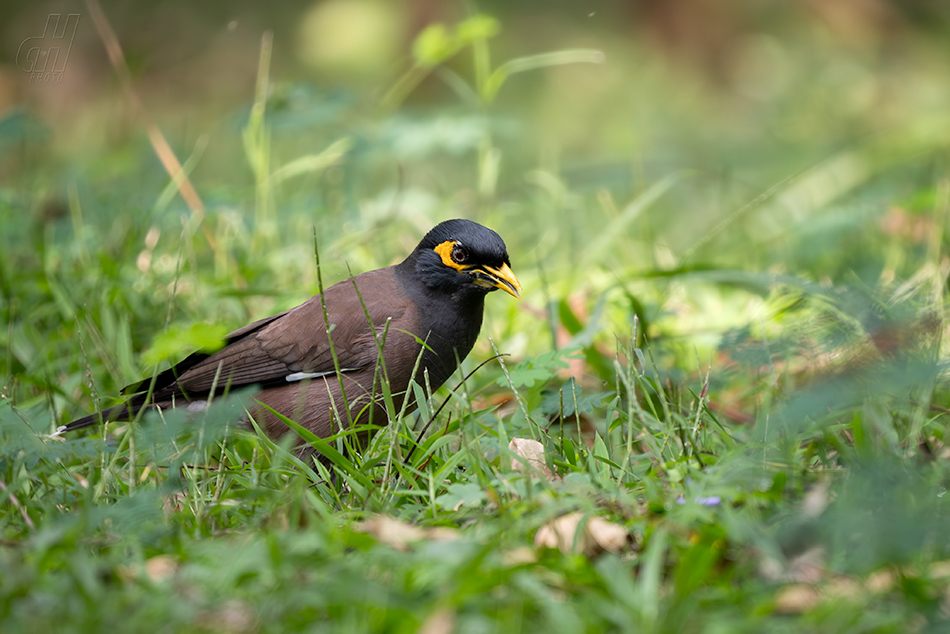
463,255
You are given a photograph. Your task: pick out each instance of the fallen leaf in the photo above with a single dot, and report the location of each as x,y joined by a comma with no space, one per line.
439,622
519,556
173,503
806,567
816,500
795,599
532,453
160,567
939,570
400,535
609,536
506,403
881,581
844,587
233,617
597,535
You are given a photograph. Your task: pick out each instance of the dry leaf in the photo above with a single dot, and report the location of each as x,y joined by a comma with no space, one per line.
391,531
609,536
796,599
533,453
809,566
160,567
439,622
881,581
505,402
173,503
233,617
558,533
844,587
806,567
400,535
519,556
156,569
816,500
598,535
939,570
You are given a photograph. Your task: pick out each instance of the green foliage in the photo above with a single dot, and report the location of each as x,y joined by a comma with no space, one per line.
731,344
169,344
537,370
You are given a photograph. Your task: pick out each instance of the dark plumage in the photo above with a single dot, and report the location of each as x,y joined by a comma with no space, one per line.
436,294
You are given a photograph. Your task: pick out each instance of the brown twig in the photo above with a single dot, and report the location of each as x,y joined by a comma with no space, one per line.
16,503
446,402
164,151
445,430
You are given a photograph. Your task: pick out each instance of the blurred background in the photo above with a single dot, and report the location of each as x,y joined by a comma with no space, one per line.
730,220
725,174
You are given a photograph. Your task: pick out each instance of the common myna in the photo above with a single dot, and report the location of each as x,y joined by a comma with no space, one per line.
436,296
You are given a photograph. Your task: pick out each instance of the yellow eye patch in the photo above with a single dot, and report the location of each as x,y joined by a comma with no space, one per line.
445,252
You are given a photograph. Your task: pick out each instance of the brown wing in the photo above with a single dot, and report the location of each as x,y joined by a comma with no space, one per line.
168,377
268,352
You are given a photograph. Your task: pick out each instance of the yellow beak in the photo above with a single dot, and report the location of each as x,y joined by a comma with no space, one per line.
502,277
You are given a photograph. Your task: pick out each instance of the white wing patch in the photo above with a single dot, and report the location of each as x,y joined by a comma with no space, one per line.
301,376
197,406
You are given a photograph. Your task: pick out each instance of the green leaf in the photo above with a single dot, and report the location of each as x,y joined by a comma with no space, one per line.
477,27
534,62
434,45
171,343
459,495
312,163
541,368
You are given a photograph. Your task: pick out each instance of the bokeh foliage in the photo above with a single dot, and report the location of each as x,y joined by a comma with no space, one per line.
730,220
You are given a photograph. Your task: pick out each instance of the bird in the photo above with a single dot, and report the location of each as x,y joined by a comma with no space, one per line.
425,312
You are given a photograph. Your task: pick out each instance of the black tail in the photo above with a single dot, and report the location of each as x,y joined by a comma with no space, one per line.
125,411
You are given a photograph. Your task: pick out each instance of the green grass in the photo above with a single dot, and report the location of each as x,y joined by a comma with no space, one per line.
745,371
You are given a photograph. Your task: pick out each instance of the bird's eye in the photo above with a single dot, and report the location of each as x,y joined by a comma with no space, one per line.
459,254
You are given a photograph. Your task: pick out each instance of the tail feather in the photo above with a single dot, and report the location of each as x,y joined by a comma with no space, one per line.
125,411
